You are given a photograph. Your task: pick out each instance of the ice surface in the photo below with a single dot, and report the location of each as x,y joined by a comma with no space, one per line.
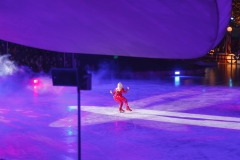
197,119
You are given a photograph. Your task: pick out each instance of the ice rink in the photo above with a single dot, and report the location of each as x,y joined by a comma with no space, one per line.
173,118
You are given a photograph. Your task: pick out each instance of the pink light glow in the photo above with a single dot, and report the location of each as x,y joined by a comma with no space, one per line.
35,81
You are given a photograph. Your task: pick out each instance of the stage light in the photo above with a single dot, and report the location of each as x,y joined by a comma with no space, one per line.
35,81
229,29
35,87
177,72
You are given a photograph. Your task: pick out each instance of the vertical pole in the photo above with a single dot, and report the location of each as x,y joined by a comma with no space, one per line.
7,48
64,58
79,124
73,61
237,65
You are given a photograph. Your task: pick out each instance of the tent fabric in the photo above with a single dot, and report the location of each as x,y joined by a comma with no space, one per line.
137,28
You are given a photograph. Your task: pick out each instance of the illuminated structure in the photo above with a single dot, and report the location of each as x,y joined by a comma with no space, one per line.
157,29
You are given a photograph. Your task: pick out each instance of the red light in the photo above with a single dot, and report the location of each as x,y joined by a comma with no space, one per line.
35,81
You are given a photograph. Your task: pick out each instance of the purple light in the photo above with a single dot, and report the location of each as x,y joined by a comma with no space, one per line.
156,29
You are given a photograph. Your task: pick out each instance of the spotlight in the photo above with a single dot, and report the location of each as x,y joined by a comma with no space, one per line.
177,72
35,81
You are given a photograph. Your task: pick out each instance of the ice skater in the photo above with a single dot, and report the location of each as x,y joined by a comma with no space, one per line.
117,96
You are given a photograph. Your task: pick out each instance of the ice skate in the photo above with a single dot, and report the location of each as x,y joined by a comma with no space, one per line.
128,108
121,110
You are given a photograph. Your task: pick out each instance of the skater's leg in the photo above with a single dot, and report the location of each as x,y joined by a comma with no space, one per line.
126,103
120,104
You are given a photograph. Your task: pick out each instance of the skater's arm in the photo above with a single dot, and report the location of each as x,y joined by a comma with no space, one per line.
112,92
125,91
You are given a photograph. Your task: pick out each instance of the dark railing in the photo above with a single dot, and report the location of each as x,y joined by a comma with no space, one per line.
222,58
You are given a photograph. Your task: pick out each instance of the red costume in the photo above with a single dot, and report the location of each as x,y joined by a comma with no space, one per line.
117,95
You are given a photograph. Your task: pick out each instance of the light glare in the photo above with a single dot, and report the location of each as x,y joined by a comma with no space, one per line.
177,72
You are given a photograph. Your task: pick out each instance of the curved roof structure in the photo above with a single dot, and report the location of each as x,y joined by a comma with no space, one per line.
139,28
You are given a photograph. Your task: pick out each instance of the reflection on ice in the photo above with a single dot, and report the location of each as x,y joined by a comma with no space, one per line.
149,115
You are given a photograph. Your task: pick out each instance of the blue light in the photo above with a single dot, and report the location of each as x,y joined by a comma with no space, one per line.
177,72
230,82
177,81
70,132
71,108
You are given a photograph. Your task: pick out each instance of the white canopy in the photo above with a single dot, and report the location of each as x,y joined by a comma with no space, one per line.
139,28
